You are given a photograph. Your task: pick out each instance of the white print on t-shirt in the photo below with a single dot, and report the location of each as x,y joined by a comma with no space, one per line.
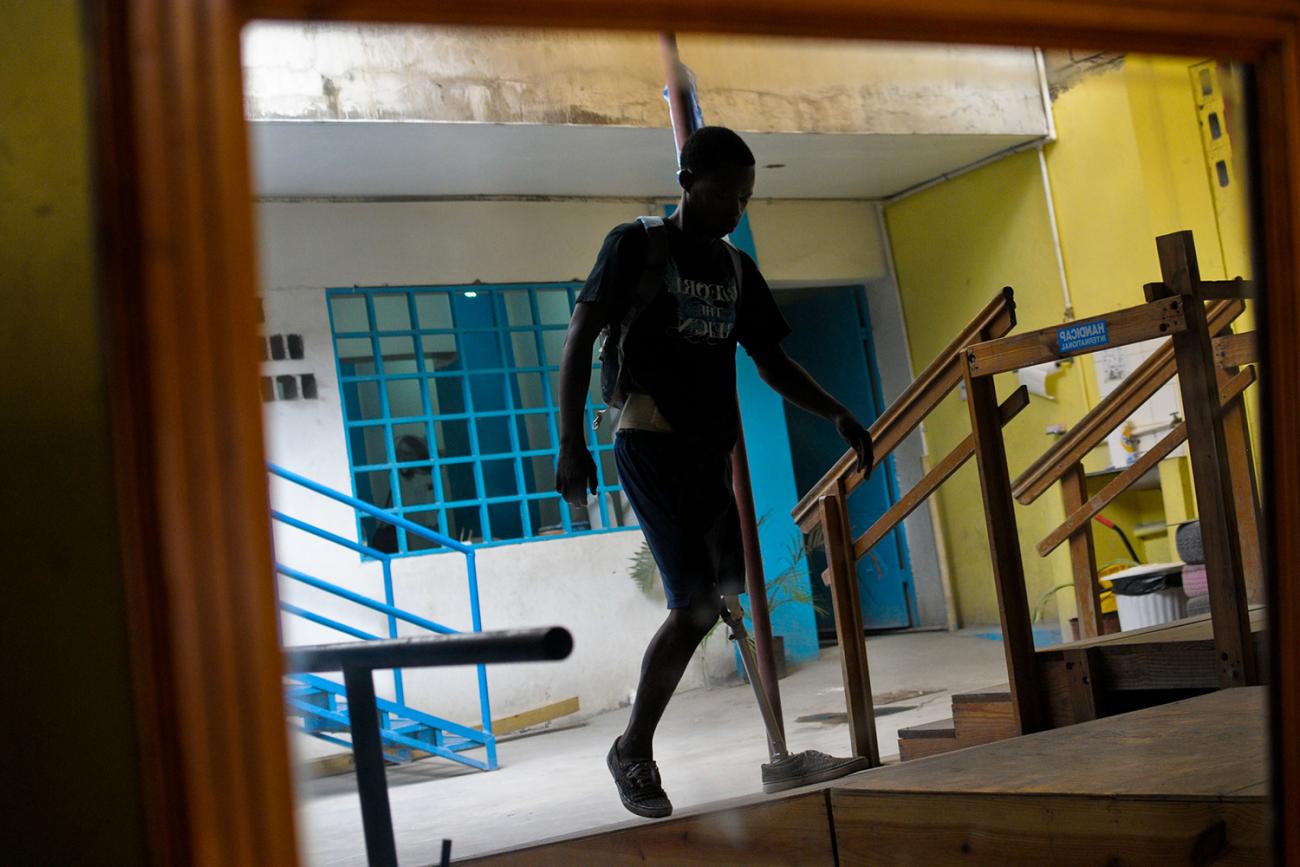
706,312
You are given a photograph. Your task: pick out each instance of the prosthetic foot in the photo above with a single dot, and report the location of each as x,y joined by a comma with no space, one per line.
786,770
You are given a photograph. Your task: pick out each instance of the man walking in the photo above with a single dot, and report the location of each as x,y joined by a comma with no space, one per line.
675,300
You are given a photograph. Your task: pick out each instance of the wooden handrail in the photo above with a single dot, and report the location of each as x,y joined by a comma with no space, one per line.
941,472
1110,413
1148,321
1208,290
1230,391
1235,288
1234,350
916,402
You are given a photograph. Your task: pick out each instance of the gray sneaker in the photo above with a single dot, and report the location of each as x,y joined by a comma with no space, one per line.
806,768
638,785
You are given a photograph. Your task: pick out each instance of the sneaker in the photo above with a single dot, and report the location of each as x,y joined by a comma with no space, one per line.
806,768
638,785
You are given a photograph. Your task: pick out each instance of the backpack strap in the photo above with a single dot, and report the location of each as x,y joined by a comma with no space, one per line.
656,234
737,264
647,290
652,273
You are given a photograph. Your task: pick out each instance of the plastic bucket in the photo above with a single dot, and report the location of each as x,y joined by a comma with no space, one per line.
1150,609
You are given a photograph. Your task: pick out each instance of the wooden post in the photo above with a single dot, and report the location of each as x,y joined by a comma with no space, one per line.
1245,493
1004,548
1083,673
1083,559
1208,448
846,603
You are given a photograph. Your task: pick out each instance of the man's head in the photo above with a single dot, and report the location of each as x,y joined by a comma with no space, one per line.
717,179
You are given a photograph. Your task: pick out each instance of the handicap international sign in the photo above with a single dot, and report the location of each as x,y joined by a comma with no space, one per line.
1085,335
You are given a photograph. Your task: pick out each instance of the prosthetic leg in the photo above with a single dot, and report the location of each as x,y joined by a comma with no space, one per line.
786,770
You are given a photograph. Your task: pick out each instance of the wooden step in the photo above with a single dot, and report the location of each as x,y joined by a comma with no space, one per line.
927,739
983,716
979,717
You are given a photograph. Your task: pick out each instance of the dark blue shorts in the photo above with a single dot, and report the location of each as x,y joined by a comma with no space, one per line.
681,493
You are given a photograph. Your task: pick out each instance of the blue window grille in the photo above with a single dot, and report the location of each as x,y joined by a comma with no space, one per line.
450,398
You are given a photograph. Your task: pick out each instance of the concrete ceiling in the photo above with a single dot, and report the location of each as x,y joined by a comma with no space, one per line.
315,159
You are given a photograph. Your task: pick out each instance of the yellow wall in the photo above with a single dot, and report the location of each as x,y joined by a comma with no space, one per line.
955,245
1128,165
73,770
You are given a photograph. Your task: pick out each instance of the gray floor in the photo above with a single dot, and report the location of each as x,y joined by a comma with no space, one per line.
709,747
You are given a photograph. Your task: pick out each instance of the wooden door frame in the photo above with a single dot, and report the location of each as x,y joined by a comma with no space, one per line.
179,281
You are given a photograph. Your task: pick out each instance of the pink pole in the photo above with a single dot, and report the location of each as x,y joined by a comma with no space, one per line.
683,120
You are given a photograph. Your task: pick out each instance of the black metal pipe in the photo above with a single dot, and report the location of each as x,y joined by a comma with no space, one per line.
468,648
359,659
368,752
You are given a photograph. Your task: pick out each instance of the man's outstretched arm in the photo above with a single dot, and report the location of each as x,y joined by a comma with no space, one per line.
575,473
794,384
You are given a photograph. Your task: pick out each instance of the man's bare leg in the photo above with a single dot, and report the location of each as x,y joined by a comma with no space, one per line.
665,660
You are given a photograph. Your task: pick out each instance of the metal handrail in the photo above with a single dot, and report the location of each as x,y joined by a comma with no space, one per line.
371,510
506,645
359,660
364,601
387,607
305,614
322,533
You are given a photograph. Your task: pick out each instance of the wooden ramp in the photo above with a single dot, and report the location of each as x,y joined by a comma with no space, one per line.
1183,783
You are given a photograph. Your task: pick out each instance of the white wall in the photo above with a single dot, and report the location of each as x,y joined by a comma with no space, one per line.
801,241
582,583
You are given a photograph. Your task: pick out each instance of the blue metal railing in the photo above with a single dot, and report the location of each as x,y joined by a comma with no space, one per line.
398,736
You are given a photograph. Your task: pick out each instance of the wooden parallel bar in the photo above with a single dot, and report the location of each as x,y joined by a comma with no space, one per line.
942,471
1210,470
1208,290
1234,350
916,402
1083,560
1121,403
1122,327
1080,515
1245,500
1004,551
847,610
1110,413
1245,490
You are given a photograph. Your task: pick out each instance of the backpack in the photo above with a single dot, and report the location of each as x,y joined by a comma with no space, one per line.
613,382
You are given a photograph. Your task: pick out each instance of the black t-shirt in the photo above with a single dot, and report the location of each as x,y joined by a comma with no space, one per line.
682,348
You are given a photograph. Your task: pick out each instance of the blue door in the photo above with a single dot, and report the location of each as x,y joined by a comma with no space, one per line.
831,339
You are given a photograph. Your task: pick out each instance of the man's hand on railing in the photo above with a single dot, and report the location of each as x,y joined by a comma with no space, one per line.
858,438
